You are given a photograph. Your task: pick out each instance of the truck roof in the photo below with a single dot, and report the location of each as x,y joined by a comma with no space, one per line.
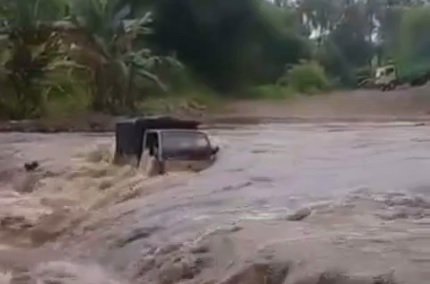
159,122
173,130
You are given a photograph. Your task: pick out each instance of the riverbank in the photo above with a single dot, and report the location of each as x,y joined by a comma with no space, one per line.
411,105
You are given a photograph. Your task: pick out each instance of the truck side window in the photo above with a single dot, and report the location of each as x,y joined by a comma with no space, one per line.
390,71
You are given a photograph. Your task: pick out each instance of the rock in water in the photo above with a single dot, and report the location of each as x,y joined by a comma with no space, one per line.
300,215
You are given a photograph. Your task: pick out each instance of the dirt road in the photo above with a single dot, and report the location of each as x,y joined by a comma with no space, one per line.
360,105
318,202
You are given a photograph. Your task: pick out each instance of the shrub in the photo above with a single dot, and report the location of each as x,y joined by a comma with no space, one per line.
307,77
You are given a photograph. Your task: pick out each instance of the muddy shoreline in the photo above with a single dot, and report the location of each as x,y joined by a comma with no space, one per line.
409,105
108,124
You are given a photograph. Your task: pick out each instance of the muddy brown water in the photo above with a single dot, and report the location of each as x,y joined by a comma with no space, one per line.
264,172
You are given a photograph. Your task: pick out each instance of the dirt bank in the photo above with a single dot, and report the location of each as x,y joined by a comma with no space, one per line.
406,104
79,123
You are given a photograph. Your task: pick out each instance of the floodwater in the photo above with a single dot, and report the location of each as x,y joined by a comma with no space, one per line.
264,172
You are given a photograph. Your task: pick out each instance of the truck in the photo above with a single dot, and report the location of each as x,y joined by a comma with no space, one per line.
389,76
160,144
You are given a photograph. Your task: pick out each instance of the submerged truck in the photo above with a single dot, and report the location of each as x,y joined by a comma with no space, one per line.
390,76
161,144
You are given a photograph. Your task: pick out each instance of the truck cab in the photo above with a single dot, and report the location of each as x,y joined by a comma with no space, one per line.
386,77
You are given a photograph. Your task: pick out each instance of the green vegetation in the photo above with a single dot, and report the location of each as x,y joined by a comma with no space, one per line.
66,57
307,77
413,50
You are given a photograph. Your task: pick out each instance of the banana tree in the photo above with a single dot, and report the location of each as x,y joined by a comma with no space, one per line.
30,50
105,40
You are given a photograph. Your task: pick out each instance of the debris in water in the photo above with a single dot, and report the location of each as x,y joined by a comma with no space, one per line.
31,166
300,215
136,234
15,223
200,249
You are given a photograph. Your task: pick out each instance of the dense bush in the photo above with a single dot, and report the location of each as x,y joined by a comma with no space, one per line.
307,77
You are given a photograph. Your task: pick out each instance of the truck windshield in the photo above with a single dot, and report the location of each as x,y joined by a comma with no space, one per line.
385,71
184,144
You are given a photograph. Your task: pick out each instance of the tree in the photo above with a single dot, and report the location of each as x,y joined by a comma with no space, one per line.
351,36
321,16
30,54
414,44
344,31
105,35
228,44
